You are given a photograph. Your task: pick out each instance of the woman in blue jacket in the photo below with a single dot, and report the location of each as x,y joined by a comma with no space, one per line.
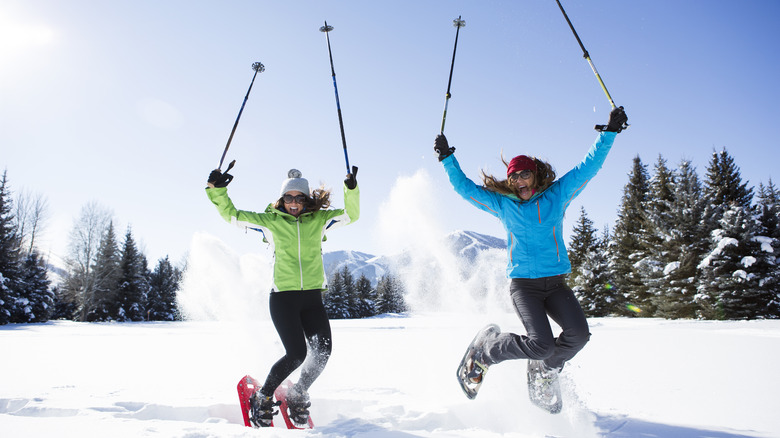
531,204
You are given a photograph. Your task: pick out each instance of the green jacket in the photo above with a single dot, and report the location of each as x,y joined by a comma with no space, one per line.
297,242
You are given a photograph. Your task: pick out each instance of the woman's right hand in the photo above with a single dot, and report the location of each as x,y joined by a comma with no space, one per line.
219,179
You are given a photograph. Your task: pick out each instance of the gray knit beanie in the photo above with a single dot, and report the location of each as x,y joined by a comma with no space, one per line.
294,182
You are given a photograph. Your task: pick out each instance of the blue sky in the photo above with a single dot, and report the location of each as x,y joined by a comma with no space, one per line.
130,103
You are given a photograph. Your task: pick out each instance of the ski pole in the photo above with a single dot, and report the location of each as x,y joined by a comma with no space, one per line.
326,28
458,23
258,68
586,55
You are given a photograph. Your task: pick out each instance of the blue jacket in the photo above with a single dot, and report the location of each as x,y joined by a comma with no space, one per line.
535,227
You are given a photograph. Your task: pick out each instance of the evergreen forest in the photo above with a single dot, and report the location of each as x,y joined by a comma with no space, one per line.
680,247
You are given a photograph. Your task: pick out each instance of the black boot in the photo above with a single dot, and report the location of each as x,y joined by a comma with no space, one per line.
261,409
298,403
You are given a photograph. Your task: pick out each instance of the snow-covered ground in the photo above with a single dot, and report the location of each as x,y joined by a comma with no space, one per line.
388,377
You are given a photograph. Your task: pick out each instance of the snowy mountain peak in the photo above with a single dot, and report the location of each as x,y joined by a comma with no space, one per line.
469,243
358,263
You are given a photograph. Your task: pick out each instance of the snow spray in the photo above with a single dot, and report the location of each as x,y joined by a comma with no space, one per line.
434,276
220,285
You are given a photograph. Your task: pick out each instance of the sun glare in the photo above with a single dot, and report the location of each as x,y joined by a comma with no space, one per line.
18,37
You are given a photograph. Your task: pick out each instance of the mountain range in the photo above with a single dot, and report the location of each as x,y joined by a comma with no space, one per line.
465,245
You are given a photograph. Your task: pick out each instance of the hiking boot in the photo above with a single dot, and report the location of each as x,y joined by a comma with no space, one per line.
478,363
477,368
261,409
298,403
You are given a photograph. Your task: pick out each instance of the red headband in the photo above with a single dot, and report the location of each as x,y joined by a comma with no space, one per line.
520,162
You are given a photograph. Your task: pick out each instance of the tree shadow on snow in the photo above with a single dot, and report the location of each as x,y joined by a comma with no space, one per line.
620,427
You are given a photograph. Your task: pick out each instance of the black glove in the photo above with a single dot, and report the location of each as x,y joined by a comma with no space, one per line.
441,147
351,181
219,179
617,121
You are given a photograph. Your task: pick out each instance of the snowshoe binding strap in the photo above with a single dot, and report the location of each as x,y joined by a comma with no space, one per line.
262,410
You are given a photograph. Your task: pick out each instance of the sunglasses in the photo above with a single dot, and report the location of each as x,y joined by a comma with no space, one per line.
298,199
524,174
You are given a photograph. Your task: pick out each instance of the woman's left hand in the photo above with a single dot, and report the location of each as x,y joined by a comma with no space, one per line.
351,181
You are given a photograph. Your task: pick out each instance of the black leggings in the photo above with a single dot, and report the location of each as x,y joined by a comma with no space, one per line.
535,299
300,319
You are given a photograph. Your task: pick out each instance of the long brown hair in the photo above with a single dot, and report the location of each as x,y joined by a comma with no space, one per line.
544,175
318,200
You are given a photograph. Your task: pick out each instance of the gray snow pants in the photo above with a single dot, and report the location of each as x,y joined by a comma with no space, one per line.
534,299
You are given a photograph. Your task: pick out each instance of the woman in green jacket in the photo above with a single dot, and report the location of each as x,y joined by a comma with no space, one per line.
295,226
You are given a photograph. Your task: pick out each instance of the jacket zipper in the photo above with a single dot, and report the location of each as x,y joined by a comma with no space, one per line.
539,211
300,262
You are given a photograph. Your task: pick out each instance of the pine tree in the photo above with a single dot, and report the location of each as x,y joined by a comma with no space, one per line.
627,247
583,240
163,285
133,284
65,307
589,277
727,207
101,303
10,270
768,210
685,243
336,298
767,213
35,302
731,285
723,187
658,246
723,183
366,298
390,295
350,292
604,277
